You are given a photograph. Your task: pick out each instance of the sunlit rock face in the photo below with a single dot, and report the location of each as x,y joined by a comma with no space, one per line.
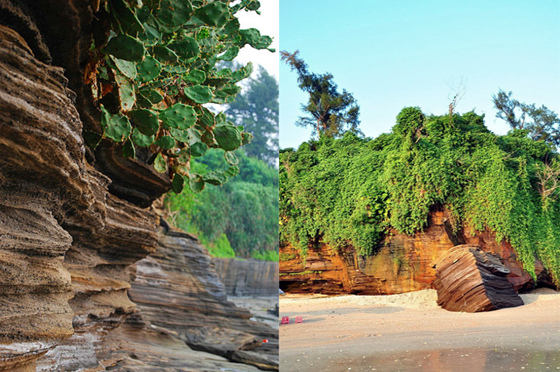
73,224
471,280
402,263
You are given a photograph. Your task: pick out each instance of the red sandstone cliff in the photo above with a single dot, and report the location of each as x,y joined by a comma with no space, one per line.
402,263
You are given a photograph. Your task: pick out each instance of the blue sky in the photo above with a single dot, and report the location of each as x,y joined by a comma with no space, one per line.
394,54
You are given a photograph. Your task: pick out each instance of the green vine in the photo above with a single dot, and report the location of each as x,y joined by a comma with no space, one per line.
155,73
353,192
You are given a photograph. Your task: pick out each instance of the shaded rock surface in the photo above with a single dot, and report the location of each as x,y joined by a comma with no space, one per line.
402,263
248,277
470,280
178,289
43,181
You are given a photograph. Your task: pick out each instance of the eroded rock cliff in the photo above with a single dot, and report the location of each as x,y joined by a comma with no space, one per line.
401,264
248,277
74,222
178,289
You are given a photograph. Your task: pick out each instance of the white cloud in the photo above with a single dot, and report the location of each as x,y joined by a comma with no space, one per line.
268,24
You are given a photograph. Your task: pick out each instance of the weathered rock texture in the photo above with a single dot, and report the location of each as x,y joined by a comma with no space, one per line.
402,263
248,278
44,180
470,280
73,223
177,289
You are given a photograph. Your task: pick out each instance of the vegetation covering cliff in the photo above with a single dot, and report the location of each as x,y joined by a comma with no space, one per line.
352,192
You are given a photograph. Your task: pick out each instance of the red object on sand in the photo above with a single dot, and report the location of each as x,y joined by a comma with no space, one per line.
285,320
299,319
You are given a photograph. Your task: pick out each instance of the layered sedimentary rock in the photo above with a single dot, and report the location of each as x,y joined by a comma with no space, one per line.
43,181
402,263
177,289
74,222
470,280
248,277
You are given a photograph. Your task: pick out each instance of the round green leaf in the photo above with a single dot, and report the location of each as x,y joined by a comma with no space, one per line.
178,116
253,37
230,54
194,136
242,73
128,68
146,121
165,54
246,138
228,137
186,48
148,69
179,134
198,149
199,93
174,13
221,118
195,77
232,171
178,183
118,128
141,139
231,89
127,93
126,17
151,94
208,138
214,178
151,35
160,165
128,149
126,47
165,142
214,14
231,158
196,184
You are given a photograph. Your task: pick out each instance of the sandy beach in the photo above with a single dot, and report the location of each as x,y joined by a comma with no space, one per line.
409,332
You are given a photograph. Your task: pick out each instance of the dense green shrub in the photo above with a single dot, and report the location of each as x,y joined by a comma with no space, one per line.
351,191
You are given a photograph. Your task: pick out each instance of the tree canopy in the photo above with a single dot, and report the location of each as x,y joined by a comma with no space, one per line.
330,113
238,219
540,123
256,109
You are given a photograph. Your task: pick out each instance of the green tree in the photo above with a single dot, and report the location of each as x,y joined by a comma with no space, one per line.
331,113
240,216
541,123
256,109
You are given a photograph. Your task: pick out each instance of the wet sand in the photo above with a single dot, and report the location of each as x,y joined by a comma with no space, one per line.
409,332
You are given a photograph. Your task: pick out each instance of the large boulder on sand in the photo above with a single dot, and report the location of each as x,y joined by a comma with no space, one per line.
471,280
